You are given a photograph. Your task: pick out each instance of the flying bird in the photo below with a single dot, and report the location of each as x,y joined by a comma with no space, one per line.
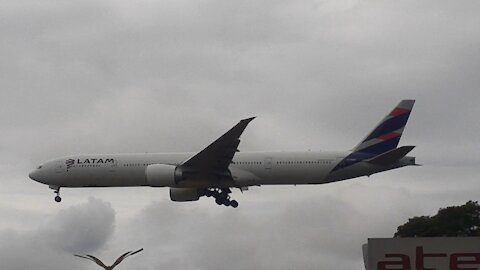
100,263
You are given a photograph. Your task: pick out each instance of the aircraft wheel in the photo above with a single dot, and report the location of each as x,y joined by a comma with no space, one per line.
58,199
234,204
227,203
219,201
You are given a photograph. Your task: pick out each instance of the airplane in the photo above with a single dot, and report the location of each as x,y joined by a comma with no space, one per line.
101,264
219,167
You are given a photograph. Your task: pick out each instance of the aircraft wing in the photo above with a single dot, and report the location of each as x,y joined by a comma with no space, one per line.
219,154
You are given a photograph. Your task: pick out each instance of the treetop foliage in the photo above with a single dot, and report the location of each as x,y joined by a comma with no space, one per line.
461,220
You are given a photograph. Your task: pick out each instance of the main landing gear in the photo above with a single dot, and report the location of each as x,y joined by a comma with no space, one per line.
221,196
56,190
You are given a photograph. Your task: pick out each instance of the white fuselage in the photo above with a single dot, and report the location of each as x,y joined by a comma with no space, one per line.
219,167
247,169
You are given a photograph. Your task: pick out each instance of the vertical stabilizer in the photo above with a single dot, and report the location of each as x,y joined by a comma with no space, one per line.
387,134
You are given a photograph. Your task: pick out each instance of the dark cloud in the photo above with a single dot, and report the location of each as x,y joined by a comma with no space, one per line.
79,229
83,228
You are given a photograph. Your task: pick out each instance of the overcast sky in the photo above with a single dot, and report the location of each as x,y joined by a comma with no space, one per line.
153,76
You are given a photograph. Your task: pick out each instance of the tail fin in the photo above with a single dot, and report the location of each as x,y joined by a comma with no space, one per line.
386,135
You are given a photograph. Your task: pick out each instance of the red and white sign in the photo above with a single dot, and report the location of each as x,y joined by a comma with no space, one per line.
432,253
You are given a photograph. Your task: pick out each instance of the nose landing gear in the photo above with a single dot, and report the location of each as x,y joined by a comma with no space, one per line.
56,190
221,196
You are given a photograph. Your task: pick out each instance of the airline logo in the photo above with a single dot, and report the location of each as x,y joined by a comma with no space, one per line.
71,162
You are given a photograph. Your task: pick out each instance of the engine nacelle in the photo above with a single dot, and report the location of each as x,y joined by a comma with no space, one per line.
184,194
163,175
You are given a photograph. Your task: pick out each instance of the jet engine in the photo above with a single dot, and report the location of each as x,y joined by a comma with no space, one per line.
163,175
184,194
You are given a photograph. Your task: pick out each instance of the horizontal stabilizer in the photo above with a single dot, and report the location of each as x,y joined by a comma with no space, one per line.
391,156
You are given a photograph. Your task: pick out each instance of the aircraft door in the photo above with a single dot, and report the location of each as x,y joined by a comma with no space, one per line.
268,163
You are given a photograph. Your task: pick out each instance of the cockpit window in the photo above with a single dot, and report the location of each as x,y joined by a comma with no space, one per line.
39,167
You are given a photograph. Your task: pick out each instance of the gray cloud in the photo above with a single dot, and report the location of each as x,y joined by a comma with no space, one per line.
82,228
304,228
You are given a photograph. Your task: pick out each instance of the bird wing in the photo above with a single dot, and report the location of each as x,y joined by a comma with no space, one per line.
125,255
135,252
97,261
81,256
93,259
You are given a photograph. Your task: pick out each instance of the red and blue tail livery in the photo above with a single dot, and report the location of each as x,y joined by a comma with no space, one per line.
387,134
382,142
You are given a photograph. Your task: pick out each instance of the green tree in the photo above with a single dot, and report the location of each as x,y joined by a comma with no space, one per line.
461,220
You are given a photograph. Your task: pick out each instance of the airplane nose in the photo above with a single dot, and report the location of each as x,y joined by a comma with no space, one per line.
34,175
